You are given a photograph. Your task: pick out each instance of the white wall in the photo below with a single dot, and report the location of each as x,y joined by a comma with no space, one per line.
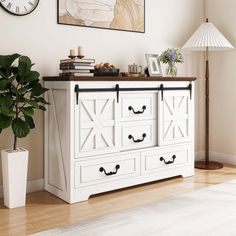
223,80
169,23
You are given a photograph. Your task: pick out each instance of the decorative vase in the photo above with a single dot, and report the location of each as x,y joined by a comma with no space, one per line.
171,69
14,170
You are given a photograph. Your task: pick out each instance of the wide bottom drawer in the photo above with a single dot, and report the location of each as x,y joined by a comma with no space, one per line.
106,169
163,158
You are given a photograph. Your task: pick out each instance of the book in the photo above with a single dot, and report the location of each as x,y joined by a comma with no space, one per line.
75,71
77,74
77,64
76,67
79,71
85,60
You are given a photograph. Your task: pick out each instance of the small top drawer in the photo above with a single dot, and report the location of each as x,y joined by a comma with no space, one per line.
138,106
138,134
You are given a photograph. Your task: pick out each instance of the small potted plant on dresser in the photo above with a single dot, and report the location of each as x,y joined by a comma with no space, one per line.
20,94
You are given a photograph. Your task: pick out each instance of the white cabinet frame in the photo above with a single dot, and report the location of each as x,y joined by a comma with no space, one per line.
88,131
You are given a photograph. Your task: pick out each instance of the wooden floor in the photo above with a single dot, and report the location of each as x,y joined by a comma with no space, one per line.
44,211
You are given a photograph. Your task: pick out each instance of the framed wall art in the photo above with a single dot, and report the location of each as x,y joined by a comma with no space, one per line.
153,64
126,15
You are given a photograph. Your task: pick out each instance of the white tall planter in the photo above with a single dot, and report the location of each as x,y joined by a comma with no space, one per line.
14,171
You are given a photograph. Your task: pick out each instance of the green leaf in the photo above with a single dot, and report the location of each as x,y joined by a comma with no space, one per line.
7,112
11,79
32,76
32,83
24,66
23,100
22,90
7,60
42,108
14,70
28,111
5,104
38,90
3,84
5,121
42,100
14,90
30,122
6,101
33,103
20,128
3,73
25,60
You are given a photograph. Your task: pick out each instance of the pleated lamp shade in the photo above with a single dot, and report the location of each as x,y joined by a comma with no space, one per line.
207,36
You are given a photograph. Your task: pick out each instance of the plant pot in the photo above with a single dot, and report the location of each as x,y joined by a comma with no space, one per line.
14,171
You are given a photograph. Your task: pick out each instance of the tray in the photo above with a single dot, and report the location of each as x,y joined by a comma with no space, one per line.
106,72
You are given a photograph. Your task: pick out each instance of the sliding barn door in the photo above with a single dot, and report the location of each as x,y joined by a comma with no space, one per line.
174,117
96,124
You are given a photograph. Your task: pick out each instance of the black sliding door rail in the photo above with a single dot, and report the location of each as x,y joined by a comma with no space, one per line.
117,89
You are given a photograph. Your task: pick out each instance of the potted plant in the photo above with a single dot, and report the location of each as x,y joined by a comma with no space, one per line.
20,94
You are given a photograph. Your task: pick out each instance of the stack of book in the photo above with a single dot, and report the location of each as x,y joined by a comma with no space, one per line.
77,67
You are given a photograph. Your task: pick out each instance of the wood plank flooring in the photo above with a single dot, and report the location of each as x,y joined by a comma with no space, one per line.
44,211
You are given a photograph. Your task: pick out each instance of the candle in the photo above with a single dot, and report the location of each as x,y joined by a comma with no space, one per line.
80,51
72,53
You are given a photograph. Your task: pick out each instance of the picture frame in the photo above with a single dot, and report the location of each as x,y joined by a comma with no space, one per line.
154,65
122,15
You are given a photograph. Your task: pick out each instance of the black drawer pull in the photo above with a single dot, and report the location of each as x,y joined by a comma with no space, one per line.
168,162
101,169
138,140
137,112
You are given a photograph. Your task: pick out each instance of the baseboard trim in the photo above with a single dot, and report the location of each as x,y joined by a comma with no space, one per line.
215,156
32,186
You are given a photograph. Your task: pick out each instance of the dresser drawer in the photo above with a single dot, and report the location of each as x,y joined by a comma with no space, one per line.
163,158
138,106
106,169
138,134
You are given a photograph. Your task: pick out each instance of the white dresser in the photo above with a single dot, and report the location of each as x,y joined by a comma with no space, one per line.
109,133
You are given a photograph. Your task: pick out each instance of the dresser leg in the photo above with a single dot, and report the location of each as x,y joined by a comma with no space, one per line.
188,173
81,197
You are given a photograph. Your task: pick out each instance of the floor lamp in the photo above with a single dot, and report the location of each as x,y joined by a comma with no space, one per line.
207,38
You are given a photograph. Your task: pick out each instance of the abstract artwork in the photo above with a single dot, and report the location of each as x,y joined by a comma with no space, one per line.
127,15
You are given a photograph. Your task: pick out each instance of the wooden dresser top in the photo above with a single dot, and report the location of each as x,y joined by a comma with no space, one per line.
117,78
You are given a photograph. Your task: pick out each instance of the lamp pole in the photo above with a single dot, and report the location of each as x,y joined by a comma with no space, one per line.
207,106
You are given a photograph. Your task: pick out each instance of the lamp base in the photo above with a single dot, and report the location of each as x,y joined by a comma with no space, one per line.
212,165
